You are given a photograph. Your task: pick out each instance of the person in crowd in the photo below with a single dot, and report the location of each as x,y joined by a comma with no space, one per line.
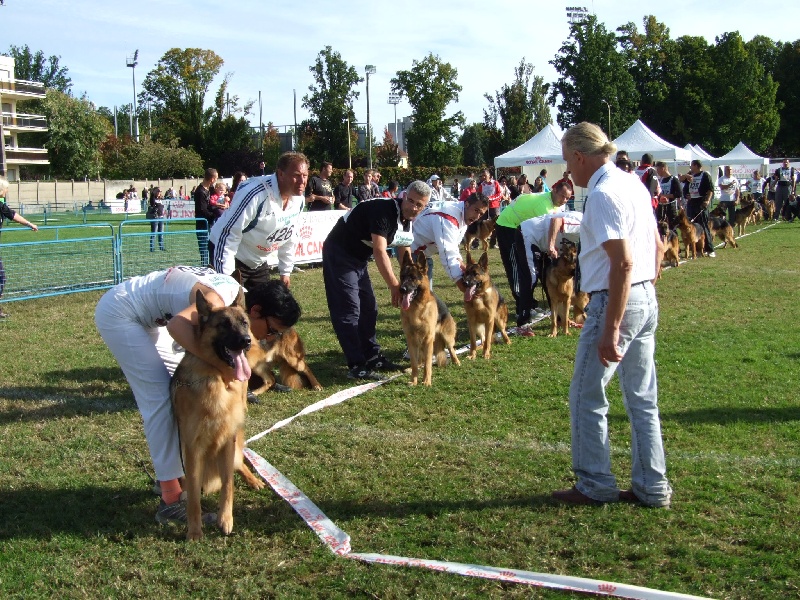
647,174
7,213
438,192
319,192
512,248
523,185
261,219
203,211
391,190
439,229
701,191
366,191
620,255
367,230
181,195
236,181
465,182
218,201
505,198
756,186
148,322
543,175
513,188
468,189
343,194
491,189
538,185
671,195
155,212
729,193
455,188
261,170
785,188
376,184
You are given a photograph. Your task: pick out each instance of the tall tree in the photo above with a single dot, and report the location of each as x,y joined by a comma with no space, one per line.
33,66
521,108
330,103
473,141
430,86
787,75
75,132
177,90
592,69
693,92
386,154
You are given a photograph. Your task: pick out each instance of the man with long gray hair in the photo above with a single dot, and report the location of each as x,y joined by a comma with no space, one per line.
620,256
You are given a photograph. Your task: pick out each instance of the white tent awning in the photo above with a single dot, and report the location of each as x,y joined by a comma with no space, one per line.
542,149
639,140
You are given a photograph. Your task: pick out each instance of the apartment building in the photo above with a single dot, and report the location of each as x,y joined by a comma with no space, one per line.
13,91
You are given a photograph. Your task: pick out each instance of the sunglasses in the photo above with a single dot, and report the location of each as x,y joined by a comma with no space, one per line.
274,332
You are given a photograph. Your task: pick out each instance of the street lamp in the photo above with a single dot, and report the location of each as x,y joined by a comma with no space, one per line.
369,70
394,98
609,117
132,62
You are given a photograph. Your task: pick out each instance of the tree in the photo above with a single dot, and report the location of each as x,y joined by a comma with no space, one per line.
473,141
521,108
75,132
386,154
592,69
177,89
229,143
271,147
693,91
787,75
330,103
125,159
430,87
33,66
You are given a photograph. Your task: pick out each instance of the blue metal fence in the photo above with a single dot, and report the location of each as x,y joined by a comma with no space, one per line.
79,258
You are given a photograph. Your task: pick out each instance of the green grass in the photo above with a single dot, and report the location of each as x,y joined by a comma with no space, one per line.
461,471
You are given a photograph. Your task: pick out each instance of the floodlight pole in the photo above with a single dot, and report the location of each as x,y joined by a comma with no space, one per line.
369,70
131,62
394,98
609,117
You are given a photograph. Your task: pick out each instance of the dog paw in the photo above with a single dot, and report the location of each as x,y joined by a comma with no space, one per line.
225,524
317,388
194,535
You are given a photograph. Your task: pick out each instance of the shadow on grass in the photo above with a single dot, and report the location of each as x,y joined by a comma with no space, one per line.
724,415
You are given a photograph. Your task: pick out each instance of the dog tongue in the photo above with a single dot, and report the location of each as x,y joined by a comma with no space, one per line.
469,293
241,366
406,301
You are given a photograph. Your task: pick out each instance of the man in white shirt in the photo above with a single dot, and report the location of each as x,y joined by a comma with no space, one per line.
729,194
620,255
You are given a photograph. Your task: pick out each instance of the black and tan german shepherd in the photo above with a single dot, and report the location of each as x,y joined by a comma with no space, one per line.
692,235
482,230
210,411
721,229
560,281
672,249
286,352
429,327
486,310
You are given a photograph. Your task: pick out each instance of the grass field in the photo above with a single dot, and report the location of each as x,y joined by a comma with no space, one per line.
460,472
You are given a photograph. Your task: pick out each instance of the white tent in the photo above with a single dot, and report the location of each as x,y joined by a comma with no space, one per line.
741,155
697,153
542,149
638,140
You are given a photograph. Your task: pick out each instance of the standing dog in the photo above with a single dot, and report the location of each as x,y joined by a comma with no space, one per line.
210,410
481,230
287,352
743,216
672,249
428,325
560,280
486,310
692,235
721,229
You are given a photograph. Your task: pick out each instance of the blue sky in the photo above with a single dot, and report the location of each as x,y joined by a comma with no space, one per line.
269,46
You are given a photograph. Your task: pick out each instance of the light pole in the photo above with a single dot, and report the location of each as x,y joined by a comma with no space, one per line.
394,98
369,70
349,157
609,117
132,62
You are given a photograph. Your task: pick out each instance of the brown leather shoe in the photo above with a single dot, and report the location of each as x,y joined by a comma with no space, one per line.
574,496
629,496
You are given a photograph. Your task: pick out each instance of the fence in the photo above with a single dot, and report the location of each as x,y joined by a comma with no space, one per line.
79,258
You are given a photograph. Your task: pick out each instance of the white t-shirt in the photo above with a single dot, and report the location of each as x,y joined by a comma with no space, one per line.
729,194
617,207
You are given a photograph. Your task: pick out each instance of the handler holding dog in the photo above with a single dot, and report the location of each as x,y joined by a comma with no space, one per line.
367,230
620,255
148,322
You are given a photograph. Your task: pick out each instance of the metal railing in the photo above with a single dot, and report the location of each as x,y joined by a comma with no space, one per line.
23,120
22,86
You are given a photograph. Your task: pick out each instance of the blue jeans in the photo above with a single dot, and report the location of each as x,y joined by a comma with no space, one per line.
591,451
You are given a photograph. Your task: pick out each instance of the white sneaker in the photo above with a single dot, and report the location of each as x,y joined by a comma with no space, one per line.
712,255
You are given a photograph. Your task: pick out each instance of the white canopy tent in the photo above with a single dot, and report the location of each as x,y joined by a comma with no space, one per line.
638,140
542,150
742,161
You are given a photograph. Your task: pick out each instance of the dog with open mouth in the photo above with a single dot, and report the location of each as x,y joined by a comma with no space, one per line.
486,310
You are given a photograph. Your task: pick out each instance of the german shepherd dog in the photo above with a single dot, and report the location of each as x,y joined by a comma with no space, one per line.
481,230
721,229
743,216
769,208
579,302
211,411
286,352
692,235
486,310
672,249
559,278
427,323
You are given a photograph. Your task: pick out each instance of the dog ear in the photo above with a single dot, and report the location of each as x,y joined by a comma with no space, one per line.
484,261
422,261
240,299
469,257
203,308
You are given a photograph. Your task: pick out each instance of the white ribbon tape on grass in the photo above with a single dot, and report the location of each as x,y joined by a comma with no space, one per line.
338,542
331,400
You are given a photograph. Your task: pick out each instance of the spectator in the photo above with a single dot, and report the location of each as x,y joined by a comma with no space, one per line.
366,191
438,191
538,186
391,190
470,188
236,181
7,213
376,184
203,212
455,189
491,189
343,193
319,193
543,175
261,170
155,212
218,201
513,188
729,194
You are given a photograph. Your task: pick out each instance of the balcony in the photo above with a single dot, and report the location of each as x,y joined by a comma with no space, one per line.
26,156
21,89
23,122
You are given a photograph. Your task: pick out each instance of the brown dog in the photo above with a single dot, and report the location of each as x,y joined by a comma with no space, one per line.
672,250
560,280
769,208
427,323
286,352
482,230
692,235
743,216
210,410
579,302
486,310
721,229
